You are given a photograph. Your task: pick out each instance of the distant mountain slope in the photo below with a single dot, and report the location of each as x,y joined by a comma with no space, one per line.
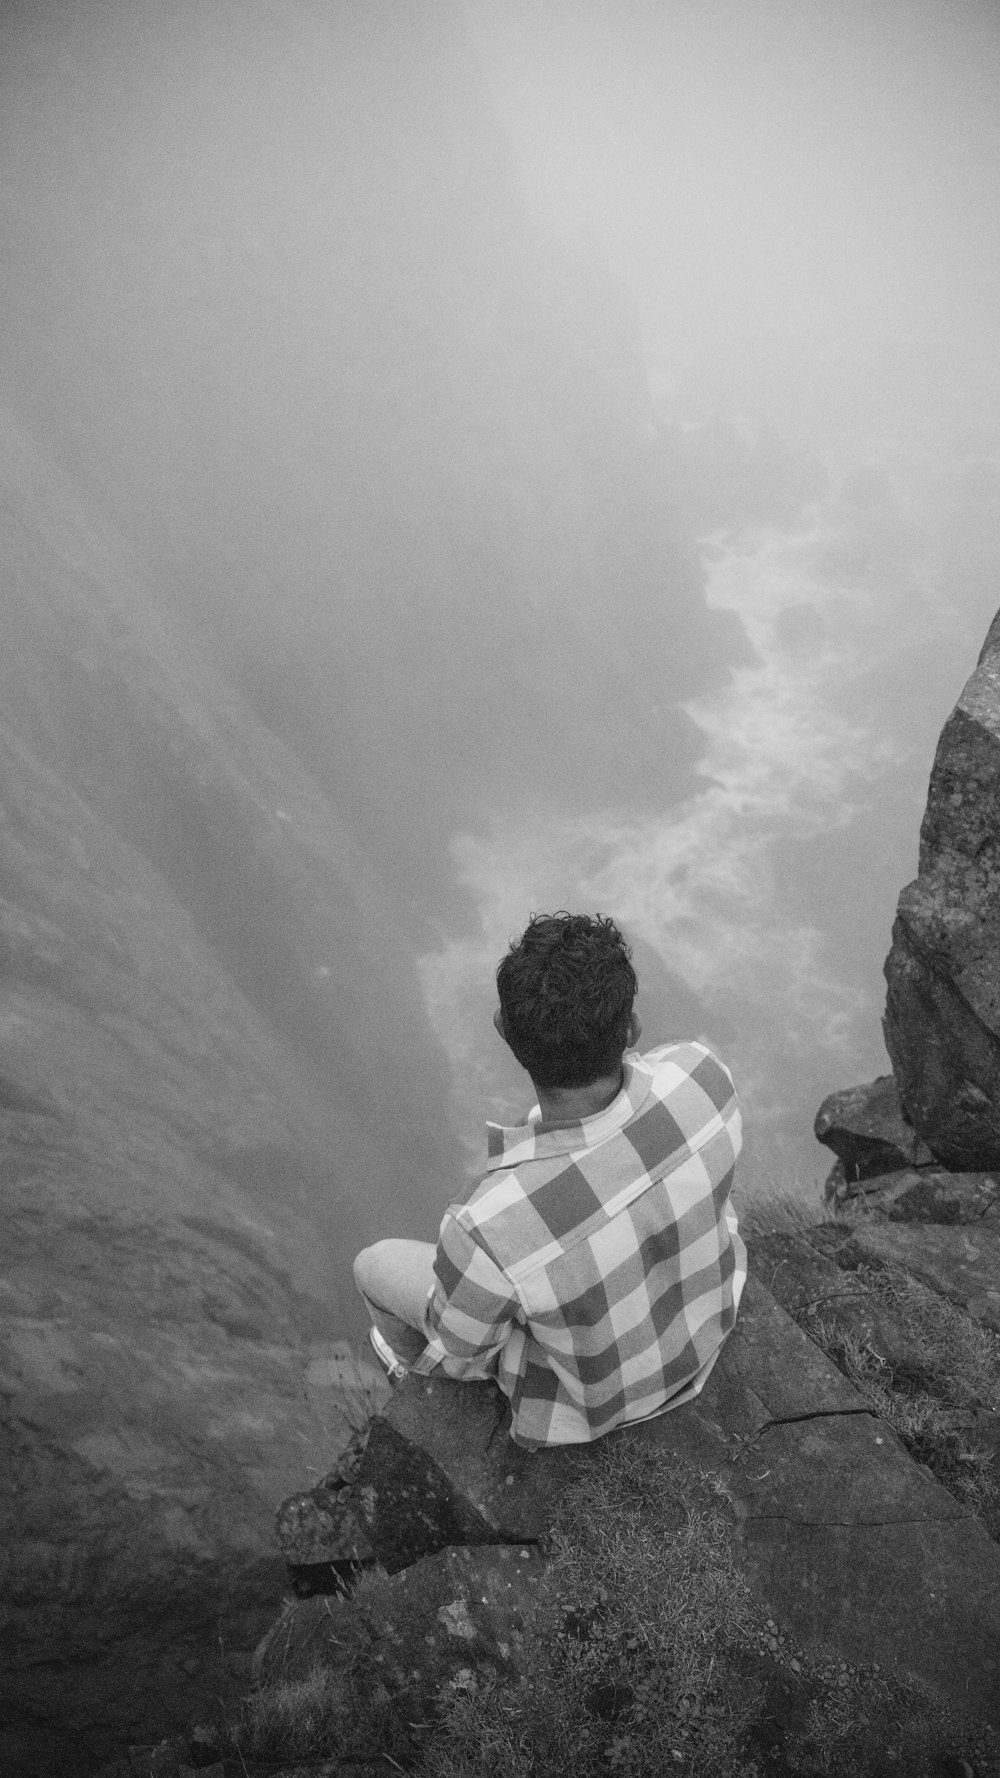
277,300
206,995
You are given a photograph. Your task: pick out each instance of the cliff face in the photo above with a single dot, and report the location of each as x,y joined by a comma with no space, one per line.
204,980
326,513
942,1020
940,1107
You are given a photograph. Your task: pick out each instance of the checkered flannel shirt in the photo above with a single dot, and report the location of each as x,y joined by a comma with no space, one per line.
596,1268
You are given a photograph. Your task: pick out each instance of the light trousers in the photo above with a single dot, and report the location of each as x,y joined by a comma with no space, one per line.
395,1278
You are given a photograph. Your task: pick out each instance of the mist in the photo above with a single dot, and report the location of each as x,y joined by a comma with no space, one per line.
801,205
267,274
571,431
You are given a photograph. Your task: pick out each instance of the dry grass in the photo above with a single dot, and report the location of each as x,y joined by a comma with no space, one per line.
918,1419
674,1666
634,1673
329,1716
652,1657
293,1720
962,1355
783,1205
956,1368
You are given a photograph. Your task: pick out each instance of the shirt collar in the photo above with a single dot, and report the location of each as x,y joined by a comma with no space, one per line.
534,1140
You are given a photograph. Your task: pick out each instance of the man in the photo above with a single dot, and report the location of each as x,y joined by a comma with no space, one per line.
596,1269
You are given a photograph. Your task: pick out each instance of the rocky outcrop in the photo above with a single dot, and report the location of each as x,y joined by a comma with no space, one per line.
940,1106
868,1133
942,1018
854,1555
445,1614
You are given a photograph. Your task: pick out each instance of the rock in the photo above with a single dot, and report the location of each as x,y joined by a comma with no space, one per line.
845,1539
868,1132
439,1469
204,1750
839,1533
420,1628
931,1194
320,1533
961,1262
918,1598
942,1017
770,1359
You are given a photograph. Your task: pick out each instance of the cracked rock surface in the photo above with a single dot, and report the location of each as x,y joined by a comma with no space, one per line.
845,1540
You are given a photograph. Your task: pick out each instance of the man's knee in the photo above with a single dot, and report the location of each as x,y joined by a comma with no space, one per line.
366,1266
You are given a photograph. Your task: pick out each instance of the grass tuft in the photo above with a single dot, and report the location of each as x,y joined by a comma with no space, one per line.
663,1662
330,1715
925,1426
962,1354
634,1674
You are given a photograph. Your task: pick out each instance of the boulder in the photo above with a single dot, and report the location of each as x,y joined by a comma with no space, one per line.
942,1017
868,1132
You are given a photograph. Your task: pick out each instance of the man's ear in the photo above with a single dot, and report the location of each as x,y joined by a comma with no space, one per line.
498,1022
634,1031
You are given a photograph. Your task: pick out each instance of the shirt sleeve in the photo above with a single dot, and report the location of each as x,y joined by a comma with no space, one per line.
472,1309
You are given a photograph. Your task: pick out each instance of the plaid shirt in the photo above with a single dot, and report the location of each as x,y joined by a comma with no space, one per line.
596,1269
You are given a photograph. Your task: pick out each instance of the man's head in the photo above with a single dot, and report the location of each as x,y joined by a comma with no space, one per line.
566,990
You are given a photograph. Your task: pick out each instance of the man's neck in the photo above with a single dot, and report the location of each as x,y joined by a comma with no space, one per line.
568,1105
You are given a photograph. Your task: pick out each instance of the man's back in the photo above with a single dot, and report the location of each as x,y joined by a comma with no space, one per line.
596,1269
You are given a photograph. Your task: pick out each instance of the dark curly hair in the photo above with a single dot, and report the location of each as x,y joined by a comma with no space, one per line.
566,989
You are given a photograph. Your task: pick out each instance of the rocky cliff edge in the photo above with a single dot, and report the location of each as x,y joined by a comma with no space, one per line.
798,1572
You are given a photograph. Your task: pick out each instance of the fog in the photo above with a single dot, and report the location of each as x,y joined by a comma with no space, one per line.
572,430
801,202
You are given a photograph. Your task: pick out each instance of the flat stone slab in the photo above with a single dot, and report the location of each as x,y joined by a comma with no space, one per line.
920,1597
767,1353
838,1470
440,1469
846,1539
961,1262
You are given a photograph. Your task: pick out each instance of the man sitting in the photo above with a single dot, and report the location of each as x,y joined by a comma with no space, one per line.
596,1269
